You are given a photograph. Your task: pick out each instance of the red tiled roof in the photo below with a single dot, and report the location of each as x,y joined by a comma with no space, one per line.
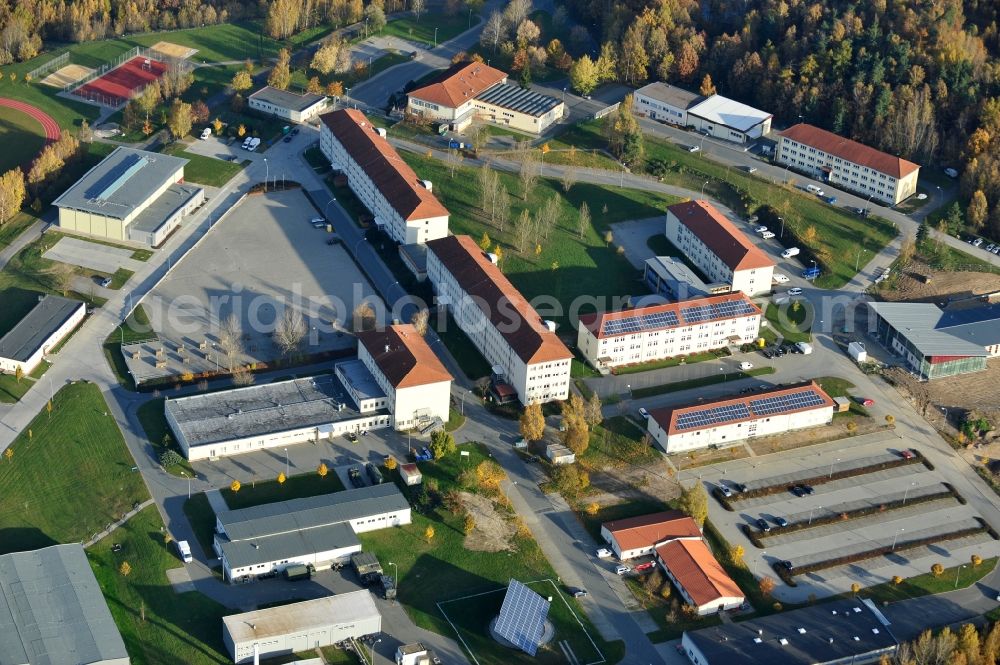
404,356
506,308
852,151
720,235
460,84
391,175
595,323
667,417
694,567
647,530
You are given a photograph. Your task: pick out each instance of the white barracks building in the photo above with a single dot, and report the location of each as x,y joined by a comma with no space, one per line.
847,164
525,352
729,420
403,204
718,248
644,334
416,384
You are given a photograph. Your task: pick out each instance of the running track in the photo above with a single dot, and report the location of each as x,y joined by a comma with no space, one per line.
48,124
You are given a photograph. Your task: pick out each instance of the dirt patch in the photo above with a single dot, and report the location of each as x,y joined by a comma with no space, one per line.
172,50
66,75
942,285
493,531
810,437
704,457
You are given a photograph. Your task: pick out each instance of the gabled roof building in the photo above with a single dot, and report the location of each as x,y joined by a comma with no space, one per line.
45,325
632,537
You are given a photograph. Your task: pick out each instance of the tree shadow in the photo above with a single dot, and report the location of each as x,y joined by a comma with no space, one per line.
23,539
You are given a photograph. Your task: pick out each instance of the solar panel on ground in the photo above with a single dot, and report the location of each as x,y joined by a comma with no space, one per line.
712,416
800,400
522,617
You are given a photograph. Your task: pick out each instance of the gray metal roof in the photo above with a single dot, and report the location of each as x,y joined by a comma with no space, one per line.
283,517
519,100
34,330
825,633
729,112
283,546
121,183
287,100
351,607
169,202
360,379
672,95
935,332
675,271
52,611
264,409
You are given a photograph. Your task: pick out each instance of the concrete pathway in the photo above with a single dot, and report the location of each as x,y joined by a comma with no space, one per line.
117,523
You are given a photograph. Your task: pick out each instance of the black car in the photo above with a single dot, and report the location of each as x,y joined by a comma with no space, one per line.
767,353
355,475
333,240
797,490
579,593
763,525
787,565
781,521
287,139
739,487
807,489
295,131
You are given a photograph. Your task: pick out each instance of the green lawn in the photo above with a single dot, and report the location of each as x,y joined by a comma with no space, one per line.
657,607
472,363
70,478
158,625
422,30
443,569
928,583
199,512
671,362
135,328
210,80
255,492
618,442
839,233
709,380
154,424
22,136
204,170
10,230
792,324
569,267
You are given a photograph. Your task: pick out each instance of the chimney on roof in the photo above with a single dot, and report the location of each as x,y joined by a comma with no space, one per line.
428,185
380,131
492,257
551,325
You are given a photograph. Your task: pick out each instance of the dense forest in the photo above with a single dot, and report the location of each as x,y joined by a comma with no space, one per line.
918,78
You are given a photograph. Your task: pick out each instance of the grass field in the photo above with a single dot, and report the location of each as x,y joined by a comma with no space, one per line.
158,625
927,584
617,442
463,351
69,478
792,324
422,30
443,569
569,267
839,233
154,424
202,518
255,492
12,390
22,137
709,380
204,170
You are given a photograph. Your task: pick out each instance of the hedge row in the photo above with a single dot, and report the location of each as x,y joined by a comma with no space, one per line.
917,458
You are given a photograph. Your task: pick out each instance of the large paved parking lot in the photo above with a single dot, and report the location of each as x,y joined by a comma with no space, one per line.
910,483
264,256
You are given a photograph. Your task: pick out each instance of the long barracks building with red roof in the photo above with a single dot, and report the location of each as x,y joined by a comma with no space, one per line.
525,353
719,249
847,164
404,206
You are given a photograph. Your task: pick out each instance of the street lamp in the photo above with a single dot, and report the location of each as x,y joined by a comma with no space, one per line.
811,513
958,571
906,491
267,173
831,467
628,387
373,649
893,548
183,473
395,577
435,37
286,463
756,561
781,234
703,185
857,262
470,23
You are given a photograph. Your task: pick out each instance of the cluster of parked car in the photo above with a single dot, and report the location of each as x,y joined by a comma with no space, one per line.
801,490
778,350
289,135
992,248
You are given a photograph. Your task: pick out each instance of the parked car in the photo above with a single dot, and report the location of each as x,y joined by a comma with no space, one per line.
642,567
643,412
763,525
751,169
579,593
745,365
106,282
603,553
333,240
781,521
621,569
779,278
794,291
287,139
977,242
726,492
807,489
767,235
740,487
295,131
906,454
866,401
797,490
694,148
355,475
784,563
760,229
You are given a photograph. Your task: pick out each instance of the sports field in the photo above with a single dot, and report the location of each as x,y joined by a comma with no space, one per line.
22,137
115,87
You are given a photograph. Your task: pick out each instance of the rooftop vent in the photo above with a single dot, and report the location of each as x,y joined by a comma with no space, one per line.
857,610
428,185
802,631
492,257
551,325
833,612
857,639
874,631
380,131
387,348
757,640
760,631
830,640
783,642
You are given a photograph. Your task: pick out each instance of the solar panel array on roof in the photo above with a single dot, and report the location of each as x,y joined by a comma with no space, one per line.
522,617
800,400
722,310
633,324
712,415
518,99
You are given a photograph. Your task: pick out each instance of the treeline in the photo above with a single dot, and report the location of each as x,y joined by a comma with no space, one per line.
921,80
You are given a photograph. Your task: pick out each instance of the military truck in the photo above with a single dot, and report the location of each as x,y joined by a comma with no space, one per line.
388,587
367,567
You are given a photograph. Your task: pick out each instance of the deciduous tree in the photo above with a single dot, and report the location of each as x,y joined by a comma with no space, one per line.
583,75
494,31
532,422
583,220
125,569
364,317
242,81
694,502
429,533
766,586
281,74
179,121
290,330
443,444
12,194
322,470
235,486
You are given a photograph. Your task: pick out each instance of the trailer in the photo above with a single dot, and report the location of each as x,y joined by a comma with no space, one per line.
297,572
367,567
857,352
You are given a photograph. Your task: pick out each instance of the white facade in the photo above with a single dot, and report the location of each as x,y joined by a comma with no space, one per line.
301,113
666,103
412,405
543,381
729,120
722,603
319,560
28,364
846,174
729,433
405,231
751,280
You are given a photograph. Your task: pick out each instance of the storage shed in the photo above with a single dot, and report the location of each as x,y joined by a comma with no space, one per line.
410,474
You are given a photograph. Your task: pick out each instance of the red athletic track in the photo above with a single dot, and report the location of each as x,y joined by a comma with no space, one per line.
48,124
120,83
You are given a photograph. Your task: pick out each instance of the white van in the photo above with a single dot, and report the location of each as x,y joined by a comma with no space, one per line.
745,365
246,142
184,549
790,252
253,144
813,188
205,133
767,235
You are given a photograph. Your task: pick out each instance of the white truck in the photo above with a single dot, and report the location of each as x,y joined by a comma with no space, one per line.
857,352
790,252
184,549
805,348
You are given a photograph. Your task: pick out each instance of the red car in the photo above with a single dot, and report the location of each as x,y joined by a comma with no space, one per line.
906,454
644,566
866,401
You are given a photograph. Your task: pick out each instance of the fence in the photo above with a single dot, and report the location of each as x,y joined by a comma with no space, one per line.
53,64
135,51
606,110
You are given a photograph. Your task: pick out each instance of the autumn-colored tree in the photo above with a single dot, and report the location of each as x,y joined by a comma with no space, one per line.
282,478
364,317
281,74
694,502
18,373
429,533
607,63
322,470
592,508
241,130
391,463
314,86
855,588
242,81
235,486
766,586
125,569
890,420
180,119
583,75
468,524
489,475
9,454
217,126
897,580
937,569
443,444
325,59
852,426
199,112
532,422
335,89
976,560
485,243
978,210
593,412
282,18
707,88
736,554
12,194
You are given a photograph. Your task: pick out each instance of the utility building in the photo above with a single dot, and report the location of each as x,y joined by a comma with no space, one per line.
48,323
299,627
287,105
132,195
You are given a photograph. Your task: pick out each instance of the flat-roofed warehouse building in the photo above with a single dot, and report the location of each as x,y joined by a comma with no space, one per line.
48,323
404,206
300,627
720,250
840,632
937,343
666,103
287,105
131,195
273,415
847,164
52,611
732,419
524,351
318,530
729,119
512,106
644,334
